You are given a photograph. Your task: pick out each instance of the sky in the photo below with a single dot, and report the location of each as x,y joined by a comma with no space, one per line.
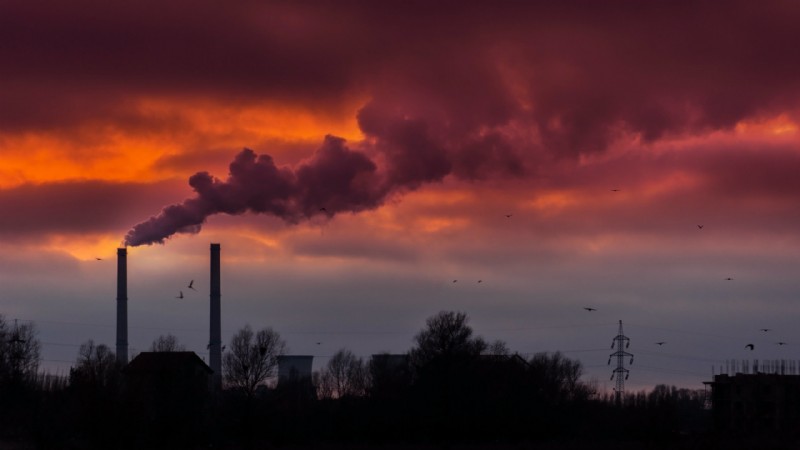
354,159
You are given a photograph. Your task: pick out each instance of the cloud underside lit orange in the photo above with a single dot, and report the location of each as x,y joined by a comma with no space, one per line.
696,168
181,136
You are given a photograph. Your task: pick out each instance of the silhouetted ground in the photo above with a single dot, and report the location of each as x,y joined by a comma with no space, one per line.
451,397
10,444
691,443
759,443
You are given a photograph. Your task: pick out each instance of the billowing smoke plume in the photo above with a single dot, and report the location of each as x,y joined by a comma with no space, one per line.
407,152
336,179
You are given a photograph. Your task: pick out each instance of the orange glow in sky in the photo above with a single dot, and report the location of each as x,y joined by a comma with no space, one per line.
781,125
114,153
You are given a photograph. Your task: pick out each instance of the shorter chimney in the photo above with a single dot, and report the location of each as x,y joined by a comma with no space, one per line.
122,305
215,329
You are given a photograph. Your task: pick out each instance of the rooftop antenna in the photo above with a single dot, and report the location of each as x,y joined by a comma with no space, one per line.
621,342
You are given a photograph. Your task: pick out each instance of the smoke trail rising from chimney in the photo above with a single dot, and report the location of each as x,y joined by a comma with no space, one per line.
412,151
336,179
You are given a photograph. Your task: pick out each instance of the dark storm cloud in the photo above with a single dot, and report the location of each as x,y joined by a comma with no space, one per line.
760,171
733,186
576,73
77,207
239,51
209,156
470,90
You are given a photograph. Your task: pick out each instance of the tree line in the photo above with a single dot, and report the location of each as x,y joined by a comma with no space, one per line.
451,387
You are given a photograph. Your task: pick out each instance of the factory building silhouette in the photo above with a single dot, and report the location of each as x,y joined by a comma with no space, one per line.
757,398
150,366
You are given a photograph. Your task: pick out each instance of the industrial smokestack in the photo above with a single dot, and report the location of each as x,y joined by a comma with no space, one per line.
215,339
122,305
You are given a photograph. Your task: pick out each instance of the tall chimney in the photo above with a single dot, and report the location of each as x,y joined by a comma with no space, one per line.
215,338
122,305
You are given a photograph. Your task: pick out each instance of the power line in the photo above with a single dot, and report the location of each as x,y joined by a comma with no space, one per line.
676,356
670,371
205,330
59,361
548,327
588,350
675,330
315,332
60,344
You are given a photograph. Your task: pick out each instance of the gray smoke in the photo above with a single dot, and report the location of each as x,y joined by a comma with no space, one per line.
334,180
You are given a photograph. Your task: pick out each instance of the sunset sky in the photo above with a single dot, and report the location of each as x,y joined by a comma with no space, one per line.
563,153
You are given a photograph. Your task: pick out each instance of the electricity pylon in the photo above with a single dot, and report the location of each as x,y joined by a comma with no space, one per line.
620,341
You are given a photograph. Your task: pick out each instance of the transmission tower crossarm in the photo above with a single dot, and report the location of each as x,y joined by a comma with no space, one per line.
620,341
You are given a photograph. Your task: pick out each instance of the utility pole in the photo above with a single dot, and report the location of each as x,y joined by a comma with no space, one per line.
620,342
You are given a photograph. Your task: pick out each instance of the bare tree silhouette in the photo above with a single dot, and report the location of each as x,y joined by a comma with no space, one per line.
445,336
96,366
558,378
251,358
19,352
167,343
345,375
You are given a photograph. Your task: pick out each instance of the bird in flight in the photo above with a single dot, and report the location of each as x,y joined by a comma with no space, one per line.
454,281
323,209
615,190
766,329
729,279
700,226
750,346
180,294
319,343
781,343
480,281
660,343
99,259
589,309
508,216
191,285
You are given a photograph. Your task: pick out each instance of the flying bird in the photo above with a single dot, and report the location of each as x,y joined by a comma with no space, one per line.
700,226
766,329
180,294
508,216
729,279
480,281
323,209
781,343
615,190
660,343
589,309
750,346
454,281
191,285
99,259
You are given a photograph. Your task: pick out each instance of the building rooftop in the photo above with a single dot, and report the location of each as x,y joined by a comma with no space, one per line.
153,361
